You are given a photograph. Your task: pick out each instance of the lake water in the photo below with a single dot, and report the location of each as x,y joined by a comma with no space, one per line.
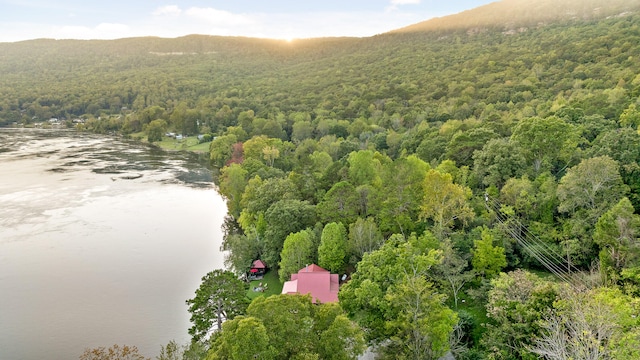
101,242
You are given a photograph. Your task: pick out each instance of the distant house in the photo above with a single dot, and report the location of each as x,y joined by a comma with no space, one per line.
320,283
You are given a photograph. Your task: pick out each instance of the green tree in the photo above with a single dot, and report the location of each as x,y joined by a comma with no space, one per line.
630,117
243,338
221,296
289,327
535,200
364,237
463,144
342,339
221,149
598,324
451,272
363,167
297,252
151,113
340,204
241,250
254,148
498,161
332,251
177,117
260,194
155,130
283,218
616,234
114,352
302,130
171,351
517,303
592,185
379,292
308,173
444,202
622,145
233,180
546,143
487,259
421,322
403,187
270,154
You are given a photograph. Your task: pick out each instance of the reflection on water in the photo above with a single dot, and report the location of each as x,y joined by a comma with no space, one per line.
103,155
101,242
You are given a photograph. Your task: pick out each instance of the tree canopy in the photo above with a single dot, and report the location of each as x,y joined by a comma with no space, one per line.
411,160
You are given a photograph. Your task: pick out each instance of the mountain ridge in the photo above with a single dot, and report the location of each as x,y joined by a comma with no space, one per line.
510,15
504,15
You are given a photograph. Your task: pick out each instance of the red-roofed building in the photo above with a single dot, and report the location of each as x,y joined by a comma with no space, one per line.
259,265
257,271
320,283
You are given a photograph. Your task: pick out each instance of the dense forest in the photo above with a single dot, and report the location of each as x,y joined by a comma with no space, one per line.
476,176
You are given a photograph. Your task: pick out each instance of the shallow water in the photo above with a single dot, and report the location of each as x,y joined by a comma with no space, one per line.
101,242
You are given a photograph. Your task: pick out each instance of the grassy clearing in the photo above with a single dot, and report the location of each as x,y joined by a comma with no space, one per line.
167,143
478,313
274,286
186,144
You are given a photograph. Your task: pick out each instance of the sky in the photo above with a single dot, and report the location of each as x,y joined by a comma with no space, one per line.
278,19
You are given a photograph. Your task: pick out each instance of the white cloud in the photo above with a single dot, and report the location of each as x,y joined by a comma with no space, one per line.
169,10
173,21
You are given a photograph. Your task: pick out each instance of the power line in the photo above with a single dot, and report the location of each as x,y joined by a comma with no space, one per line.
536,248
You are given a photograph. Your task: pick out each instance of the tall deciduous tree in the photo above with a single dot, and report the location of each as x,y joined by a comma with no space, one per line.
241,250
517,302
617,233
332,251
233,180
401,194
421,321
155,130
297,252
364,167
221,296
488,259
498,161
622,145
171,351
546,143
598,324
221,149
390,298
283,218
340,203
444,202
289,327
242,338
451,272
463,143
593,185
364,237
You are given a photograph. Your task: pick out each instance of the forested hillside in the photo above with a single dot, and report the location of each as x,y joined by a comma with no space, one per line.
476,176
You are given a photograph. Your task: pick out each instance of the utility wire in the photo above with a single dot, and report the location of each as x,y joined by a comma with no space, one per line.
531,244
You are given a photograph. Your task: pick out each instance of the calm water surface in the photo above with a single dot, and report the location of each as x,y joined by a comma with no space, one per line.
101,242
